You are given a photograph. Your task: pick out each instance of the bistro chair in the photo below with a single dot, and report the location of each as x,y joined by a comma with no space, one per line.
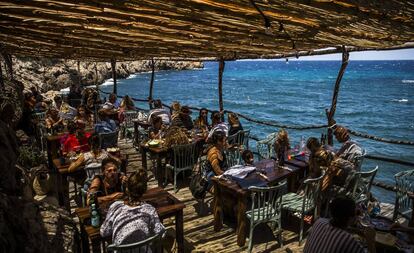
233,157
108,140
151,244
266,207
359,160
404,182
363,183
184,158
306,203
91,172
127,127
265,146
241,138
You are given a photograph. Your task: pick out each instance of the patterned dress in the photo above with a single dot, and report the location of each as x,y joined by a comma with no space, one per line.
127,224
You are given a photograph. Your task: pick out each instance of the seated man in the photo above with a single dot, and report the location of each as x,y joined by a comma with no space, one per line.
160,112
132,220
66,111
331,235
105,125
184,119
217,125
350,150
112,103
108,186
156,131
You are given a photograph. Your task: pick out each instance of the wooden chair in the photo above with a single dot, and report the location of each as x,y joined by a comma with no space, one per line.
404,182
151,244
183,159
362,186
266,207
108,140
306,203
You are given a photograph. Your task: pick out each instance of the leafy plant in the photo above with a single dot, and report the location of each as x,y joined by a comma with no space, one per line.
30,157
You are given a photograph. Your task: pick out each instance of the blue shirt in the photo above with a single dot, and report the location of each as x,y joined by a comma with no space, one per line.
105,126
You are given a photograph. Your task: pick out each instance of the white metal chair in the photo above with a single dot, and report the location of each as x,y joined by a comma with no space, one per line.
363,183
233,157
266,207
241,138
404,182
265,146
127,127
91,172
151,244
183,159
306,203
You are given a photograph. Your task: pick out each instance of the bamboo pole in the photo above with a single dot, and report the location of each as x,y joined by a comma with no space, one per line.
220,86
96,79
79,75
113,65
151,82
1,78
330,114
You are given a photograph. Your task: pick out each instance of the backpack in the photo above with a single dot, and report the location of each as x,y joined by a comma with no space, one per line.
198,185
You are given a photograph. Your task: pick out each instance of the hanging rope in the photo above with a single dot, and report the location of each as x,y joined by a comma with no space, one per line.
279,125
375,138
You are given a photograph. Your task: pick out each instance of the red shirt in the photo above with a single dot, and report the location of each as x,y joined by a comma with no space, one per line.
72,143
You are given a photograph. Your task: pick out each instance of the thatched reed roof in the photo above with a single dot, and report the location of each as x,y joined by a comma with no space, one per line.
232,29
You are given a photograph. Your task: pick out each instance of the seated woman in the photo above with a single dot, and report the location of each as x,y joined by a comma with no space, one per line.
54,123
132,220
108,186
281,145
314,146
201,121
105,125
248,157
92,158
84,118
157,128
175,136
75,140
184,119
235,125
175,110
126,105
112,103
215,156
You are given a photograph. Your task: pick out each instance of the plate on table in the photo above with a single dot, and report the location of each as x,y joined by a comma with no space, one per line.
385,238
112,150
381,224
154,143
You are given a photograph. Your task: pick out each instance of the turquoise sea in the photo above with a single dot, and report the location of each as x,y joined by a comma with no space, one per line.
376,97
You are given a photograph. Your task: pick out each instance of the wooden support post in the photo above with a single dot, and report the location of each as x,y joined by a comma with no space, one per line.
113,65
220,86
8,62
79,76
96,78
1,78
330,113
151,83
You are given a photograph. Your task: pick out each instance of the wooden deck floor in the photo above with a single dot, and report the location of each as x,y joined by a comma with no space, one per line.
199,235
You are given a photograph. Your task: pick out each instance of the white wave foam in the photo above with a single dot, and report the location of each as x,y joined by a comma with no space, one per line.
402,100
407,81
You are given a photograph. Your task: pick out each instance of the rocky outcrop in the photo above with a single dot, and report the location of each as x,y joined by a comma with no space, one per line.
53,74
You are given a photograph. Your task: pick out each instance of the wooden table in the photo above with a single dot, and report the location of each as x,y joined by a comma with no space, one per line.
166,205
227,192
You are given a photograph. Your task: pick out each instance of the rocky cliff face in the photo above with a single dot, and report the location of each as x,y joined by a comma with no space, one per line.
52,74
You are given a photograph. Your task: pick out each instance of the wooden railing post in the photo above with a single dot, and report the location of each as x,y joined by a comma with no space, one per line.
113,65
220,86
331,113
151,83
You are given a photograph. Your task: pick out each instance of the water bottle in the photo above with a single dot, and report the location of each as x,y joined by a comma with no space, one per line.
95,219
302,146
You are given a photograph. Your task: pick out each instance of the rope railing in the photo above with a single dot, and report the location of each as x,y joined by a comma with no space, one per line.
279,125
